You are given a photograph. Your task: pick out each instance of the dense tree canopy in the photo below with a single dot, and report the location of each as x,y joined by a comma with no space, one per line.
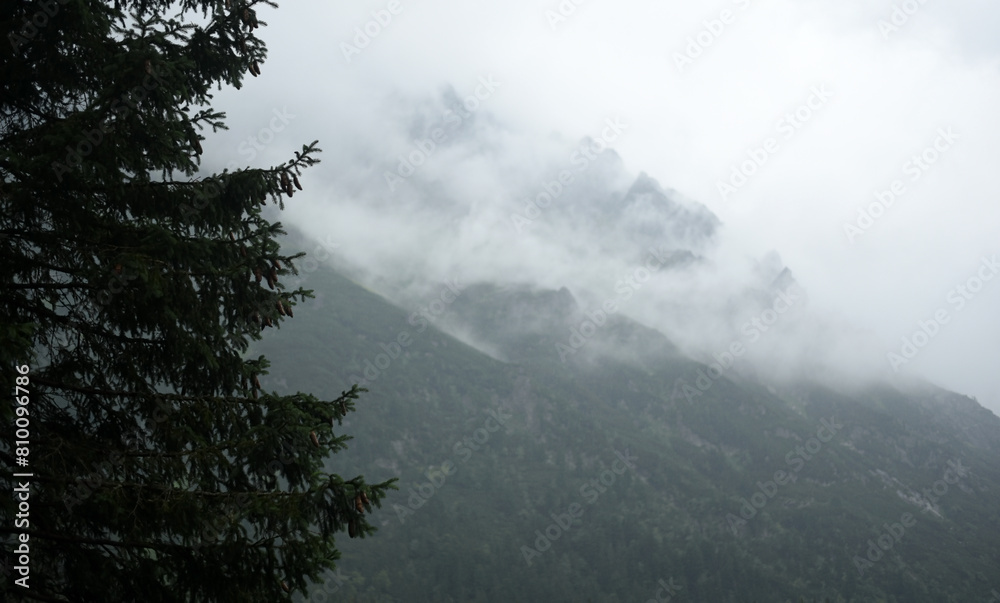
131,289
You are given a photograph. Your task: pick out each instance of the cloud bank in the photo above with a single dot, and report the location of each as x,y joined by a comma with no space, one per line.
796,124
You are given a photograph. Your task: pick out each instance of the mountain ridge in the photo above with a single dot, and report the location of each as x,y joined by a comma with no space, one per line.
698,462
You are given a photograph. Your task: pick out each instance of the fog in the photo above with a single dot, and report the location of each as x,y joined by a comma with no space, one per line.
769,126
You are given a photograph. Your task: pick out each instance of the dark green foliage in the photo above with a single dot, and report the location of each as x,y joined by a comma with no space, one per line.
667,518
131,288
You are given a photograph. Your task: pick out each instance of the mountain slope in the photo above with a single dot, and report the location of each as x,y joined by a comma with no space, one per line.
502,461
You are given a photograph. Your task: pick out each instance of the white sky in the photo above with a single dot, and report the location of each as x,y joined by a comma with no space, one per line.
687,128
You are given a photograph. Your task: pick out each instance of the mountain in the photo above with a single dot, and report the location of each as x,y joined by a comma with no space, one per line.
624,470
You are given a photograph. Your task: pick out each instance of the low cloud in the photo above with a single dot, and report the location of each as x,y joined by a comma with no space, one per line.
686,130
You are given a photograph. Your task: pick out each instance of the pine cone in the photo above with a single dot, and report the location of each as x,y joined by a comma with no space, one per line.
295,179
352,528
358,504
315,440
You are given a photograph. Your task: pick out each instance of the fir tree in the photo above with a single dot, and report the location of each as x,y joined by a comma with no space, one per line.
131,289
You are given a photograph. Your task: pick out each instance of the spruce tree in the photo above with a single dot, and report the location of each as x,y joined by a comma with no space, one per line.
131,286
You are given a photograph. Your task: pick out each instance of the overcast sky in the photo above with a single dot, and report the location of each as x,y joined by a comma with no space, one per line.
834,105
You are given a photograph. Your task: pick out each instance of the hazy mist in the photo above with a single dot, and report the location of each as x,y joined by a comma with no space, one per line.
646,110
